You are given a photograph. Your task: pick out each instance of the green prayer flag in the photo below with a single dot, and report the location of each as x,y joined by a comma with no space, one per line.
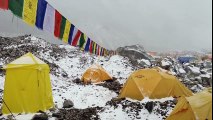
16,6
62,28
82,40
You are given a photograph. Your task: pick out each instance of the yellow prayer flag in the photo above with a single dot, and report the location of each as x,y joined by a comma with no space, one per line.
29,11
66,31
85,38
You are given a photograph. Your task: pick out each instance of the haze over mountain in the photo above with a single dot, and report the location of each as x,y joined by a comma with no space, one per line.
158,25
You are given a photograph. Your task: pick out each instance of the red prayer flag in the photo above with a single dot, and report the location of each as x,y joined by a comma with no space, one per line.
98,50
91,47
4,4
75,41
58,19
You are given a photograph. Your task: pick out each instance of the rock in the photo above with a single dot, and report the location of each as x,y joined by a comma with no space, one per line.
113,85
52,109
200,81
64,74
68,104
1,112
149,106
79,114
57,115
134,53
206,79
42,116
77,81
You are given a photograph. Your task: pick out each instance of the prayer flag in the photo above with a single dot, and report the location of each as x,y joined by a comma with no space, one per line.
72,28
76,38
66,31
4,4
16,6
87,47
62,28
41,10
91,47
30,10
82,40
49,19
58,19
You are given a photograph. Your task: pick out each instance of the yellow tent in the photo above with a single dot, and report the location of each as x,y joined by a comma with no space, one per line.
27,86
154,84
197,107
95,74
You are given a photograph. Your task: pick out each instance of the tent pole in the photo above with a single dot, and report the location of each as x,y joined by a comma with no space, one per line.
8,109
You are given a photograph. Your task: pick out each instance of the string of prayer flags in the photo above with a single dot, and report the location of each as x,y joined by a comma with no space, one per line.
41,14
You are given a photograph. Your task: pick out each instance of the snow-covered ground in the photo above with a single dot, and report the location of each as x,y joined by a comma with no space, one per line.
74,64
82,96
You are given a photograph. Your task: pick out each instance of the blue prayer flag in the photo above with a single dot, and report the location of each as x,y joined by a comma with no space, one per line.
41,10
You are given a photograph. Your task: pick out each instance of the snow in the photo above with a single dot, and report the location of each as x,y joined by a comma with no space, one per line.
155,100
165,63
205,76
2,82
195,70
147,62
182,71
111,113
82,96
118,114
114,114
118,67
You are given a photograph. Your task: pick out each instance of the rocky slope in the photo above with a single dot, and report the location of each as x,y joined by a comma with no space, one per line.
96,101
136,54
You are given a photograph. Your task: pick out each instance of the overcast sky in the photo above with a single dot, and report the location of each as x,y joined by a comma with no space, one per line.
158,25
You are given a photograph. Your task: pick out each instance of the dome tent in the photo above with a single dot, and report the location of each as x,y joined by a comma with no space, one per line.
154,84
27,86
95,74
197,107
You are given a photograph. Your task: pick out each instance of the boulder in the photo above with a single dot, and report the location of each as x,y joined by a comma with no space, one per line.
42,116
134,53
68,104
149,106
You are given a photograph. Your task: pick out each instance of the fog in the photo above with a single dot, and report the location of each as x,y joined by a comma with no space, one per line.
158,25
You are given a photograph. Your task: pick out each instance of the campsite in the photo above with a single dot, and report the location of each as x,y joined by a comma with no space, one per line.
105,60
93,100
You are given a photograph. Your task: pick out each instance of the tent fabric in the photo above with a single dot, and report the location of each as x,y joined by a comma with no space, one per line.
41,10
4,4
182,111
27,86
30,11
185,59
96,74
197,107
154,84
